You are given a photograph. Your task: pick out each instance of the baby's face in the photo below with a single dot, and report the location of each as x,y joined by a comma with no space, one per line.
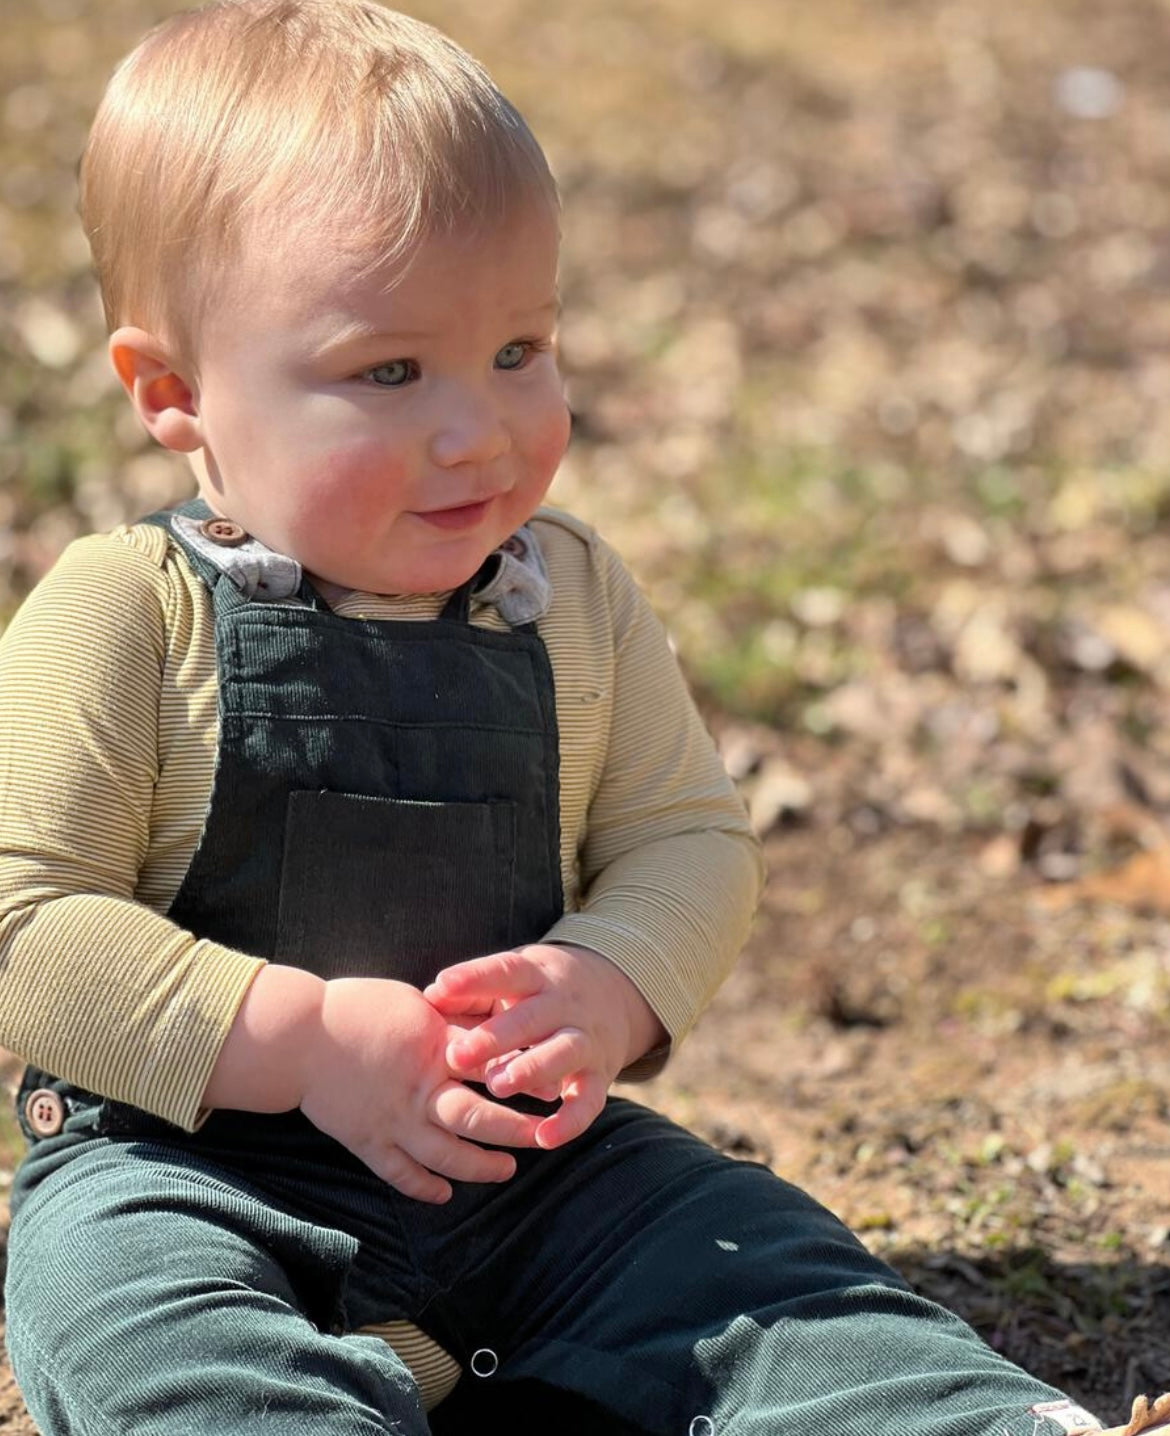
389,428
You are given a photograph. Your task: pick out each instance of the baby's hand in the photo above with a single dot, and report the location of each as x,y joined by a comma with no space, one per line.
376,1079
555,1021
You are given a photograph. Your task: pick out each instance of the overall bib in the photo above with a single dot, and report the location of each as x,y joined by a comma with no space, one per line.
385,803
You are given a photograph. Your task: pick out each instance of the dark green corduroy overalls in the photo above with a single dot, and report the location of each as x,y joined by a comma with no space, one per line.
385,802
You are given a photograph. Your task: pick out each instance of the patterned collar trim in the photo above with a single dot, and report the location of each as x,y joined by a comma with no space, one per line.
514,579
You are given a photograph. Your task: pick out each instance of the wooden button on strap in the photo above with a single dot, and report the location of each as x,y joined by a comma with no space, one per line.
45,1112
224,532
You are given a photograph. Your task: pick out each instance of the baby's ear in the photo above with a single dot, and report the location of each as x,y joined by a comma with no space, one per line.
162,397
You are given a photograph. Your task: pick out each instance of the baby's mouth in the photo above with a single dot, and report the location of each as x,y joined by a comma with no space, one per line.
459,516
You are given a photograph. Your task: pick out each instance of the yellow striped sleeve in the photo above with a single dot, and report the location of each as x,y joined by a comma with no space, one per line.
94,985
434,1369
667,869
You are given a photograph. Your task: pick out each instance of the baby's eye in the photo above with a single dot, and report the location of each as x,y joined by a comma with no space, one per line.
514,355
392,375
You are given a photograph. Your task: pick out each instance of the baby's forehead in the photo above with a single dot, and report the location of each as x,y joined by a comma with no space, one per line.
321,280
348,251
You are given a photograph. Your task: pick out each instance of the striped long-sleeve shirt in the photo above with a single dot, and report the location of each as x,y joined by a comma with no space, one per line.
108,731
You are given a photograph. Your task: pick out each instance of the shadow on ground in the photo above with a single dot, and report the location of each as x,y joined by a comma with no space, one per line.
1095,1330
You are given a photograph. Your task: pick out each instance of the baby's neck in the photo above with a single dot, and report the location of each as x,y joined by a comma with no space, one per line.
336,593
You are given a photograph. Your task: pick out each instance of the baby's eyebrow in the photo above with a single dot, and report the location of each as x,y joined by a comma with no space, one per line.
358,335
537,314
357,331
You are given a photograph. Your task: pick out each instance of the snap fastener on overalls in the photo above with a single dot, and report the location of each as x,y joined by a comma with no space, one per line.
224,532
45,1112
484,1362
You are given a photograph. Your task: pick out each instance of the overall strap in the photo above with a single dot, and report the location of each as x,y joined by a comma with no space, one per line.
458,606
217,549
194,509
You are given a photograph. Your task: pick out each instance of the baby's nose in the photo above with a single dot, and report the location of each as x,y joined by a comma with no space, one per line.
471,431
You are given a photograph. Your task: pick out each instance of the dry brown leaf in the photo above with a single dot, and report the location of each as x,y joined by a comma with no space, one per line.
1142,883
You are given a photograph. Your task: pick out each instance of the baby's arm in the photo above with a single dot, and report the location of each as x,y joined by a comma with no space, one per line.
95,986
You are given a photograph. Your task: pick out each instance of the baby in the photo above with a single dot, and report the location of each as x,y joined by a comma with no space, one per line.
358,832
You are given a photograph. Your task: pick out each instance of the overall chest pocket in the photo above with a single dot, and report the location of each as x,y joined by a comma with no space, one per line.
390,887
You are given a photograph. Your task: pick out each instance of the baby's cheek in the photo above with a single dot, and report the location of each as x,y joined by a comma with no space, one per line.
550,442
358,481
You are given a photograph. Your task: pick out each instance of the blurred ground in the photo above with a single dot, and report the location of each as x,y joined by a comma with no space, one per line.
867,335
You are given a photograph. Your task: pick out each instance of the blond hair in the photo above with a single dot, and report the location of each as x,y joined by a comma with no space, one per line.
283,113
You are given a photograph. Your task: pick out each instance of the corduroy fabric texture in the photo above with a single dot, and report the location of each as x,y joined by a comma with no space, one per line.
633,1282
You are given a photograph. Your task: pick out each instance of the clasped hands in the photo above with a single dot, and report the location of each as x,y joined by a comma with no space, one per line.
547,1020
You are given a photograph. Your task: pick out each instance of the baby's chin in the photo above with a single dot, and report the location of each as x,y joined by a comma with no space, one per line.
416,578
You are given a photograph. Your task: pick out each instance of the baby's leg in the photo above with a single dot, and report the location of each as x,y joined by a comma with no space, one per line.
691,1294
150,1297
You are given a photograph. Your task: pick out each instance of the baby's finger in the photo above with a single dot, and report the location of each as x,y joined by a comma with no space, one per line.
542,1067
545,1091
405,1175
463,1113
497,1064
450,1156
583,1098
476,984
456,1007
520,1026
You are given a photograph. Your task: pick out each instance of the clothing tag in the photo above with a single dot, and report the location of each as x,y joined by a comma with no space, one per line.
255,570
1067,1415
518,586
